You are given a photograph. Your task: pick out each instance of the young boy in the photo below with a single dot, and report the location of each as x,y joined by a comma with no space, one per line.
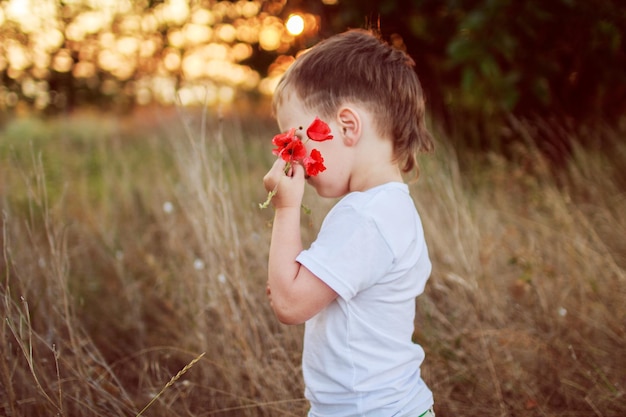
355,287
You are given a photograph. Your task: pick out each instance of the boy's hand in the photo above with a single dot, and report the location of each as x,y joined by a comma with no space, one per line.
289,186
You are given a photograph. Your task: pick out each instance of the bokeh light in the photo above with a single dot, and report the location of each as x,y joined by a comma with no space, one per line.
295,24
199,52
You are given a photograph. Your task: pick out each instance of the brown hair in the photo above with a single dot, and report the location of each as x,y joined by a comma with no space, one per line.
358,66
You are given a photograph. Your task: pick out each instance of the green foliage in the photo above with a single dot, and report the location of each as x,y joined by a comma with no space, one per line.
488,58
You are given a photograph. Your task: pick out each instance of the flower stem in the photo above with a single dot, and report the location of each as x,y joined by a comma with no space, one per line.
272,193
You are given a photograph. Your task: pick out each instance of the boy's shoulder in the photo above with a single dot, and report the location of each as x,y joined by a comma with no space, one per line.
382,205
384,193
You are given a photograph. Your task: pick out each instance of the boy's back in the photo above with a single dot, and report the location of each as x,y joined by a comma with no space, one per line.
358,355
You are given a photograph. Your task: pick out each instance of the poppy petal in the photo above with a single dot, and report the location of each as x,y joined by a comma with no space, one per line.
319,131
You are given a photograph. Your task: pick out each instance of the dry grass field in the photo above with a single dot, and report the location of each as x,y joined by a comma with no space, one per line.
133,268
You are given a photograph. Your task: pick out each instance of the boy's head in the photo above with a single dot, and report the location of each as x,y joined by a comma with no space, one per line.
358,67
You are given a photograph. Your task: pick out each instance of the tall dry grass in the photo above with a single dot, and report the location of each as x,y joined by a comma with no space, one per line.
525,312
134,260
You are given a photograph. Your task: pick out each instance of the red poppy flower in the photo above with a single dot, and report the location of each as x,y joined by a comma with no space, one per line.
294,151
282,140
291,149
318,131
314,163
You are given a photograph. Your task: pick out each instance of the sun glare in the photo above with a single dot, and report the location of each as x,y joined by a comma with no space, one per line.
295,24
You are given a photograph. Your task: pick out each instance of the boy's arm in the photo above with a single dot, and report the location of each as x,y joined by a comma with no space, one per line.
295,293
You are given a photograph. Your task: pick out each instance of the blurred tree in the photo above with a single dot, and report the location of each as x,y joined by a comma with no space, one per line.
55,56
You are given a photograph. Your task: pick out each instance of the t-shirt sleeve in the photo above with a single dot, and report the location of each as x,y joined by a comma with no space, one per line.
350,254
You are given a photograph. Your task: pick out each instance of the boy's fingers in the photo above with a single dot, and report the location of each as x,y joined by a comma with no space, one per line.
297,171
273,175
279,165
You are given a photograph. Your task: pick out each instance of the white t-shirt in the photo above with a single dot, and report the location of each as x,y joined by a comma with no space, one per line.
358,357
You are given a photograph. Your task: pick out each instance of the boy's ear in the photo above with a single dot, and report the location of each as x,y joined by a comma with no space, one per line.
350,124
